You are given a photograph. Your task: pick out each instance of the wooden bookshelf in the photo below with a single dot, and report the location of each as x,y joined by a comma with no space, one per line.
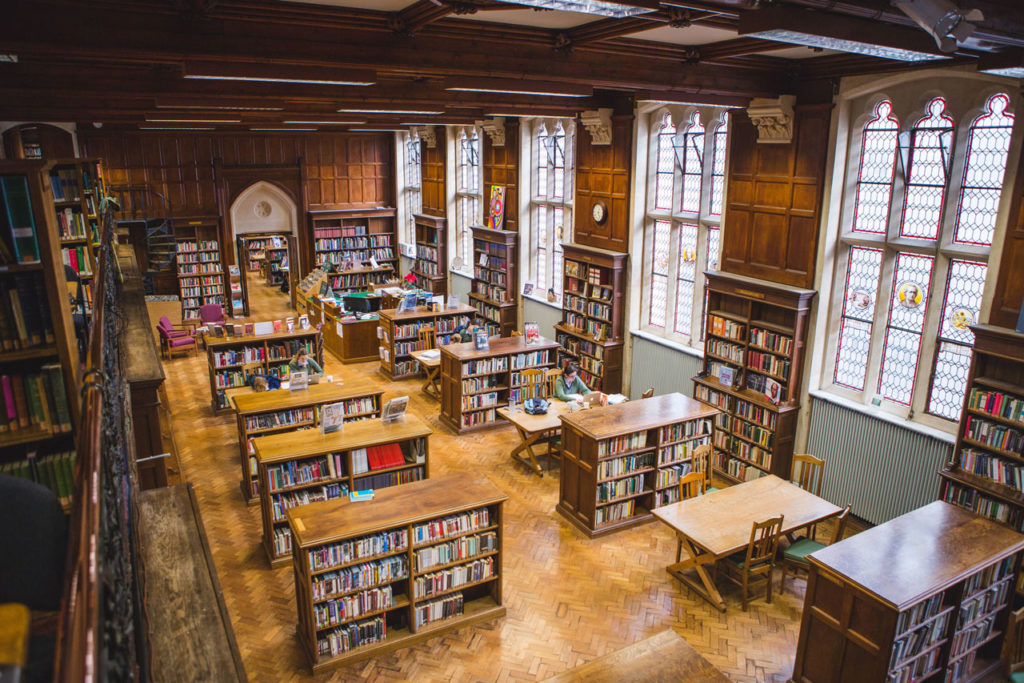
77,189
276,263
620,462
474,384
593,314
398,335
495,280
757,329
923,597
201,275
354,235
398,543
230,360
39,359
306,467
283,410
986,473
359,279
431,265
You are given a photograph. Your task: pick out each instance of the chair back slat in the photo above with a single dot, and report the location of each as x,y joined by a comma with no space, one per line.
764,541
807,472
532,383
701,462
691,485
550,377
841,520
426,338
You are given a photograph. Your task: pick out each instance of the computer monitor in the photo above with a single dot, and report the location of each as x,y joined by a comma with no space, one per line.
361,304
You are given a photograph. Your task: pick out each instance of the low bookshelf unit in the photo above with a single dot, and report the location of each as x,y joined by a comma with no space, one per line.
375,576
283,410
924,597
986,474
354,235
755,331
231,360
494,280
593,314
621,461
475,383
431,266
399,335
306,467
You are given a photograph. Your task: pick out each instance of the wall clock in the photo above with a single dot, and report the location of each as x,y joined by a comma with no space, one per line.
600,212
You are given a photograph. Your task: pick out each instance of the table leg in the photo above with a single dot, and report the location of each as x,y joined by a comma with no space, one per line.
430,387
698,559
527,445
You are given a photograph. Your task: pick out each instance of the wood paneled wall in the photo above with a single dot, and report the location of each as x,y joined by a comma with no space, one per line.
774,199
343,170
433,170
501,167
1009,292
603,174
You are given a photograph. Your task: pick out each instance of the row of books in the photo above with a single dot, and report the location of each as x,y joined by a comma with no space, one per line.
186,246
916,669
684,430
615,512
997,403
24,312
595,328
681,451
35,400
486,311
340,243
452,525
724,349
575,303
624,465
78,258
281,418
201,291
19,241
669,476
441,608
532,359
752,432
246,354
282,502
666,496
918,640
617,444
462,548
475,384
65,185
199,269
610,490
71,224
591,365
344,638
377,457
427,268
494,277
473,401
294,473
970,499
198,257
485,365
991,434
453,577
988,599
55,471
356,406
755,413
580,271
972,636
426,253
489,291
737,469
229,379
386,479
995,468
590,379
723,327
335,611
988,576
360,576
346,552
750,452
769,363
322,232
479,417
773,341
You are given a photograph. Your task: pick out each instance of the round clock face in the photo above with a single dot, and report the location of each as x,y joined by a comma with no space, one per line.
600,212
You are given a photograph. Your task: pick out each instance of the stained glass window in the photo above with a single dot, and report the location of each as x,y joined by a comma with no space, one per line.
686,275
413,193
552,191
468,197
877,165
692,163
666,166
983,177
659,273
912,281
930,145
858,315
718,165
964,290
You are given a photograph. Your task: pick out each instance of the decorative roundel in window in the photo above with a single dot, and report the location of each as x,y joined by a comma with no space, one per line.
689,254
662,261
457,263
559,231
910,294
263,209
861,299
961,318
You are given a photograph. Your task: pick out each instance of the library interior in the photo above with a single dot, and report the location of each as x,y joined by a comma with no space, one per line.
512,340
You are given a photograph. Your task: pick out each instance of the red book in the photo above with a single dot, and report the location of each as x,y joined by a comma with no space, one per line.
12,413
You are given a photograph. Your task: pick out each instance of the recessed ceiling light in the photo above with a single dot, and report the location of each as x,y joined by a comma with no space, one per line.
390,111
218,107
380,130
150,120
604,8
285,130
328,123
9,58
176,128
278,73
518,86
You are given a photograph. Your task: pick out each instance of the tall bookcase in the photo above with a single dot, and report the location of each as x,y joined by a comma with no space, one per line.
200,269
354,235
986,473
620,462
38,355
593,314
431,265
281,410
474,384
368,575
495,280
756,330
77,189
398,334
230,360
924,597
309,467
276,263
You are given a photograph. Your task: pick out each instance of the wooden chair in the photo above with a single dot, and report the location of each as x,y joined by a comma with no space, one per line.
550,377
647,394
532,382
795,556
701,461
758,559
426,337
691,485
807,473
517,333
1013,647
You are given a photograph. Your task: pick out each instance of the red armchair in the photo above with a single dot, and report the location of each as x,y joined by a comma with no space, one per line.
175,338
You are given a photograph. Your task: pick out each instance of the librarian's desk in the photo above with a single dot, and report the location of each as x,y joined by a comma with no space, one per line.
432,367
715,525
534,428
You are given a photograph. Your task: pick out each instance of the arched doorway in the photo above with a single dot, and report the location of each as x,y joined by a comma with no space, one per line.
261,209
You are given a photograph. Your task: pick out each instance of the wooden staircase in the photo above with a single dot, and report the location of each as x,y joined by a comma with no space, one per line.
145,216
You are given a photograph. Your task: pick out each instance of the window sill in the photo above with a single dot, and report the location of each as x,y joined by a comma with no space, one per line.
455,272
541,300
904,423
674,345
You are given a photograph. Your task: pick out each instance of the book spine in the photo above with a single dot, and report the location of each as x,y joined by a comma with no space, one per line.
44,404
60,396
9,404
35,407
20,401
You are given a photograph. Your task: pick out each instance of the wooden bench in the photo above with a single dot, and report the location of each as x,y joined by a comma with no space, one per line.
663,657
187,623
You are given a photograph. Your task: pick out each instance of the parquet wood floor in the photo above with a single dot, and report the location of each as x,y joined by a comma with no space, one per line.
570,599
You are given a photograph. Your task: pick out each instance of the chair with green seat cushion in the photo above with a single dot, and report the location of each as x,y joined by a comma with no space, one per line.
758,560
795,556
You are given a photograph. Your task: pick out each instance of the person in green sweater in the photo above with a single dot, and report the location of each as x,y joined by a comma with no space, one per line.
569,386
302,361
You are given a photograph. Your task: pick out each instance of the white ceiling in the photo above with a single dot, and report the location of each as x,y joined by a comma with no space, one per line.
527,16
380,5
692,35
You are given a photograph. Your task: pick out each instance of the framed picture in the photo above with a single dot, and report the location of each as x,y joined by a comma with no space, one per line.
528,288
394,409
496,208
332,418
299,380
727,376
531,331
480,340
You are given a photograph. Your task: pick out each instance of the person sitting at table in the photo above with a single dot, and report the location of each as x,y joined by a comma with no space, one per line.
569,387
302,361
263,382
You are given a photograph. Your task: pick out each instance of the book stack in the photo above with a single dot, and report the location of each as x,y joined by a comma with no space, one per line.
35,401
377,458
24,312
55,471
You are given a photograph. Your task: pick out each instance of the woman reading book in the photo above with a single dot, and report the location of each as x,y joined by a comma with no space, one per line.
302,361
569,387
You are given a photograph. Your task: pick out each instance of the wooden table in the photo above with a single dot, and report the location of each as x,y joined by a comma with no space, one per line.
662,657
717,524
432,367
533,428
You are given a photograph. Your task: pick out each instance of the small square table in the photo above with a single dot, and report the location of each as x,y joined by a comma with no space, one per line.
533,428
432,367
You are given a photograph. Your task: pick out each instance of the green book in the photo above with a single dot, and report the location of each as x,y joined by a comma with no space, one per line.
18,205
35,407
60,396
67,474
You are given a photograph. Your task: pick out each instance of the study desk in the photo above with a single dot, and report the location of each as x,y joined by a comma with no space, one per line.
533,428
432,367
717,524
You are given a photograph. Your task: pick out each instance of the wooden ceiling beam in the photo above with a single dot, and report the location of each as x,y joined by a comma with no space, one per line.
417,15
